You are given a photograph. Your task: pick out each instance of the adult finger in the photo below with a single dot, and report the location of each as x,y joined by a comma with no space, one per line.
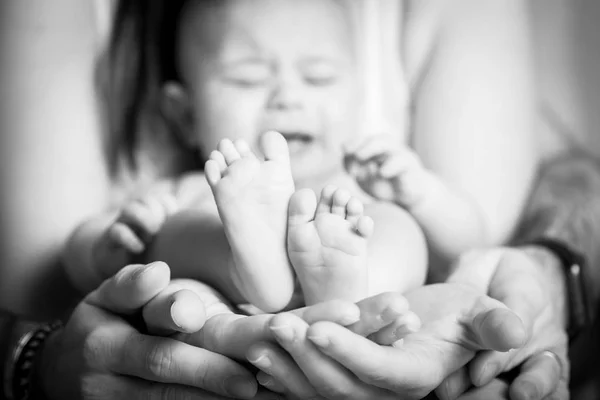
526,299
338,311
269,382
125,388
330,380
399,369
272,360
167,360
454,385
499,329
131,288
495,390
174,310
214,302
539,377
231,335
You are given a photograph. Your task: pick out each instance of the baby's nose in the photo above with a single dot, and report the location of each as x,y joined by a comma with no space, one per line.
287,93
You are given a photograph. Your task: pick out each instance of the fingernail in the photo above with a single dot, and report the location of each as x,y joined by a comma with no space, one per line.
283,332
320,341
398,343
262,362
410,326
180,313
240,386
141,271
264,380
349,319
394,310
527,391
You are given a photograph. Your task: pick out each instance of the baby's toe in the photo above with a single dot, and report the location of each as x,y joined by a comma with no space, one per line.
243,148
275,147
354,210
302,207
326,199
340,199
212,172
365,226
229,151
219,159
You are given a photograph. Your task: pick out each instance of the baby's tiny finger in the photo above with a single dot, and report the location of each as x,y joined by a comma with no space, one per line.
402,326
169,203
122,235
140,218
392,167
379,311
374,146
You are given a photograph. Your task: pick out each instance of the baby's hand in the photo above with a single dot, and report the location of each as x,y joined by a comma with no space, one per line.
387,172
140,220
386,319
137,224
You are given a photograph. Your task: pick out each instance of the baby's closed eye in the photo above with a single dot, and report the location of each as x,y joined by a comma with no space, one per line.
248,73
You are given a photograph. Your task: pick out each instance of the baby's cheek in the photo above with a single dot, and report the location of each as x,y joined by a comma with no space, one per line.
231,114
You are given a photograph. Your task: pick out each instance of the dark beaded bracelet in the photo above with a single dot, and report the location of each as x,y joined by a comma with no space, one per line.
24,357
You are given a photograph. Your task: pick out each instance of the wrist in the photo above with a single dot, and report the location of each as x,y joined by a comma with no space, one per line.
550,266
22,365
43,376
573,281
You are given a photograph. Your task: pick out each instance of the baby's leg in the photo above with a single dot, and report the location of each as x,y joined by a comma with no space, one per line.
397,250
252,197
327,245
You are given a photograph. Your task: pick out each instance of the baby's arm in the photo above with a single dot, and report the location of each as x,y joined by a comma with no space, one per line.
451,221
106,243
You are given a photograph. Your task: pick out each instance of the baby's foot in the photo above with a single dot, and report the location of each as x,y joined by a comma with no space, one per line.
327,245
252,197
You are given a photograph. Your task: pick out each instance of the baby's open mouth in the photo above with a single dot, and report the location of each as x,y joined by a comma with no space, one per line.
298,140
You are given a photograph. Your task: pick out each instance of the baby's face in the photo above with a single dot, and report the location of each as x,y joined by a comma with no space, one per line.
285,65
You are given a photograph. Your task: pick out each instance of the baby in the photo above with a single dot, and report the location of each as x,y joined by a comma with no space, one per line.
272,86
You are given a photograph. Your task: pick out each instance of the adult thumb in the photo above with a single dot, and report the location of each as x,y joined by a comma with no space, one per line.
131,288
498,328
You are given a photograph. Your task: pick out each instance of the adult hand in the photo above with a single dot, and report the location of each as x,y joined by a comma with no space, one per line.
100,355
531,283
329,361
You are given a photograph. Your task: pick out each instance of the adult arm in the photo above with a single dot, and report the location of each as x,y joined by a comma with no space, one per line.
51,170
474,110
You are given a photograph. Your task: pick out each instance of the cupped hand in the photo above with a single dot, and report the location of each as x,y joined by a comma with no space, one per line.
101,353
531,284
327,360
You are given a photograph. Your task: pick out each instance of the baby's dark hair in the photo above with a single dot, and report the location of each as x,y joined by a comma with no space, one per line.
139,59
